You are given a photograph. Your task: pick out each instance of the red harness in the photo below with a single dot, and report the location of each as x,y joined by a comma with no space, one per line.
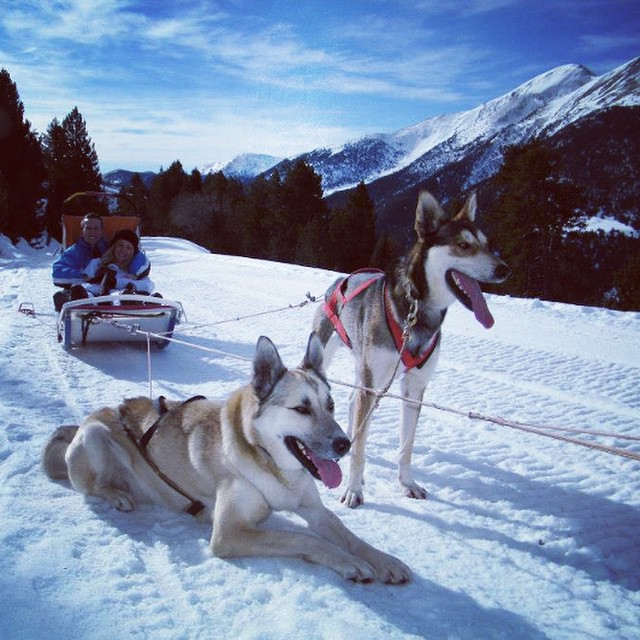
339,295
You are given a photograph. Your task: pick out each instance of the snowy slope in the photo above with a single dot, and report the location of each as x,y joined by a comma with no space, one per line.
620,87
523,537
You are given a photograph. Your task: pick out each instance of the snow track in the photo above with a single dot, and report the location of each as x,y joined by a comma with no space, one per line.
522,536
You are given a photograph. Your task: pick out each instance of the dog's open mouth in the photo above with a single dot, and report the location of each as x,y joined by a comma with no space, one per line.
467,290
322,469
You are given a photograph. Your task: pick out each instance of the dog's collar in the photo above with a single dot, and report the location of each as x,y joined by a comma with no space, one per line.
400,338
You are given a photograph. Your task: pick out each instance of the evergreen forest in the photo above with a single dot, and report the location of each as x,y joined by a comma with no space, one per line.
537,218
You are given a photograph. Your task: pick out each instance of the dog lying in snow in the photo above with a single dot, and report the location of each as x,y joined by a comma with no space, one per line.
234,462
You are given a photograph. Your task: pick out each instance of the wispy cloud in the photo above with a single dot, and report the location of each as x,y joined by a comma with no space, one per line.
192,79
609,42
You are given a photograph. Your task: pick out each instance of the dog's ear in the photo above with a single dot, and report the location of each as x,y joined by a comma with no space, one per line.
267,368
468,212
314,356
429,215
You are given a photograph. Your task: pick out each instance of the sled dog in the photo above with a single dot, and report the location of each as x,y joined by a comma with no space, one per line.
234,462
369,311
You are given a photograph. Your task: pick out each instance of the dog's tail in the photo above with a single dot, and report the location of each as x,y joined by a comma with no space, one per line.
53,462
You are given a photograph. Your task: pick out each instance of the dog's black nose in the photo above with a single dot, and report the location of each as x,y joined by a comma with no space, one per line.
502,272
341,445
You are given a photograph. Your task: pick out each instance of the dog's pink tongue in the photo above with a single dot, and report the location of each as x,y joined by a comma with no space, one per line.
479,304
330,472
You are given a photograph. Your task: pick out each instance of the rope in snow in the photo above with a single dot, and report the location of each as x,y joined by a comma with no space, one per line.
309,299
547,431
542,430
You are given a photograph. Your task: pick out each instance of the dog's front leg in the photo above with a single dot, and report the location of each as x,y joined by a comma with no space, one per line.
412,386
240,507
328,526
359,420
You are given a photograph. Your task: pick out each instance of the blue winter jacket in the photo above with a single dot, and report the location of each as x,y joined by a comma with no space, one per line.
69,268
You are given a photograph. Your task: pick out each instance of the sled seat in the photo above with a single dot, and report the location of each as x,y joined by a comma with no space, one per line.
71,230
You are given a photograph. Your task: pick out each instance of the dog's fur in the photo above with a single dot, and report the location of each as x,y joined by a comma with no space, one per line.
430,274
253,454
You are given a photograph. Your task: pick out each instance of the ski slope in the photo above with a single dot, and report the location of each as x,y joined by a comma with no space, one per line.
523,536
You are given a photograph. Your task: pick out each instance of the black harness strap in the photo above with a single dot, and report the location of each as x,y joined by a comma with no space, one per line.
149,433
141,445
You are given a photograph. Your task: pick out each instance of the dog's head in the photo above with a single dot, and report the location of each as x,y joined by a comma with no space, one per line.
459,255
294,422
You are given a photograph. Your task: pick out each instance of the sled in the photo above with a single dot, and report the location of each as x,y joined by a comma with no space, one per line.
115,317
118,318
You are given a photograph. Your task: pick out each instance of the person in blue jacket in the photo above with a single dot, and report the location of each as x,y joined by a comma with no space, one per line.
69,268
123,268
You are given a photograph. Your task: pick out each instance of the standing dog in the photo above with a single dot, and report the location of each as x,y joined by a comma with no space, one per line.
235,462
370,311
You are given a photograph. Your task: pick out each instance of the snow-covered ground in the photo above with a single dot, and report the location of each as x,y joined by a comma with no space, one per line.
523,537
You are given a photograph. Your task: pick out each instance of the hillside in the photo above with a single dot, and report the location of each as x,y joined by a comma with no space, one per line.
591,119
524,537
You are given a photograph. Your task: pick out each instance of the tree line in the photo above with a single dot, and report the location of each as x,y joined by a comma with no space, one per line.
281,217
538,220
536,217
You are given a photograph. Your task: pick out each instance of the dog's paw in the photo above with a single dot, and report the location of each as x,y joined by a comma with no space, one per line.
121,500
390,570
352,499
357,571
414,491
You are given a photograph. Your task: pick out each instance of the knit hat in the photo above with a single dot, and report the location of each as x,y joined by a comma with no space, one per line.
128,235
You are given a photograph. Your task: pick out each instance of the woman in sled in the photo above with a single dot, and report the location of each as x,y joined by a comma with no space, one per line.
112,272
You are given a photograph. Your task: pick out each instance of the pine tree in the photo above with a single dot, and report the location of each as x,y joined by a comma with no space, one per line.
133,201
22,171
72,166
352,231
300,220
168,184
535,207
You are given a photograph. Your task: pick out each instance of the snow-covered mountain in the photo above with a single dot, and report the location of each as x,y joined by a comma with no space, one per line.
569,106
242,167
544,105
115,180
246,165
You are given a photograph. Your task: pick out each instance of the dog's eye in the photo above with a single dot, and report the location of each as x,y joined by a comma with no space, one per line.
463,245
303,410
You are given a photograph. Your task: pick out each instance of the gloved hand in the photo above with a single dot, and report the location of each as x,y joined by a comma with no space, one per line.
108,282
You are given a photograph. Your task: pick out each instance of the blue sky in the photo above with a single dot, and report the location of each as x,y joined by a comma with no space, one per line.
203,81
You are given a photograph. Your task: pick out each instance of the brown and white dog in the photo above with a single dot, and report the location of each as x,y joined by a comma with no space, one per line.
369,312
233,462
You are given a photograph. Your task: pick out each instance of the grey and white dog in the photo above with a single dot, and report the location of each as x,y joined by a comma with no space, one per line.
369,312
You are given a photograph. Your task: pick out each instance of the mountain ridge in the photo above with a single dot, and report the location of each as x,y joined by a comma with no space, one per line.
453,153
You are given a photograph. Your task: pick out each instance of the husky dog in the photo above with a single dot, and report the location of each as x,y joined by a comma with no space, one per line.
234,462
391,321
